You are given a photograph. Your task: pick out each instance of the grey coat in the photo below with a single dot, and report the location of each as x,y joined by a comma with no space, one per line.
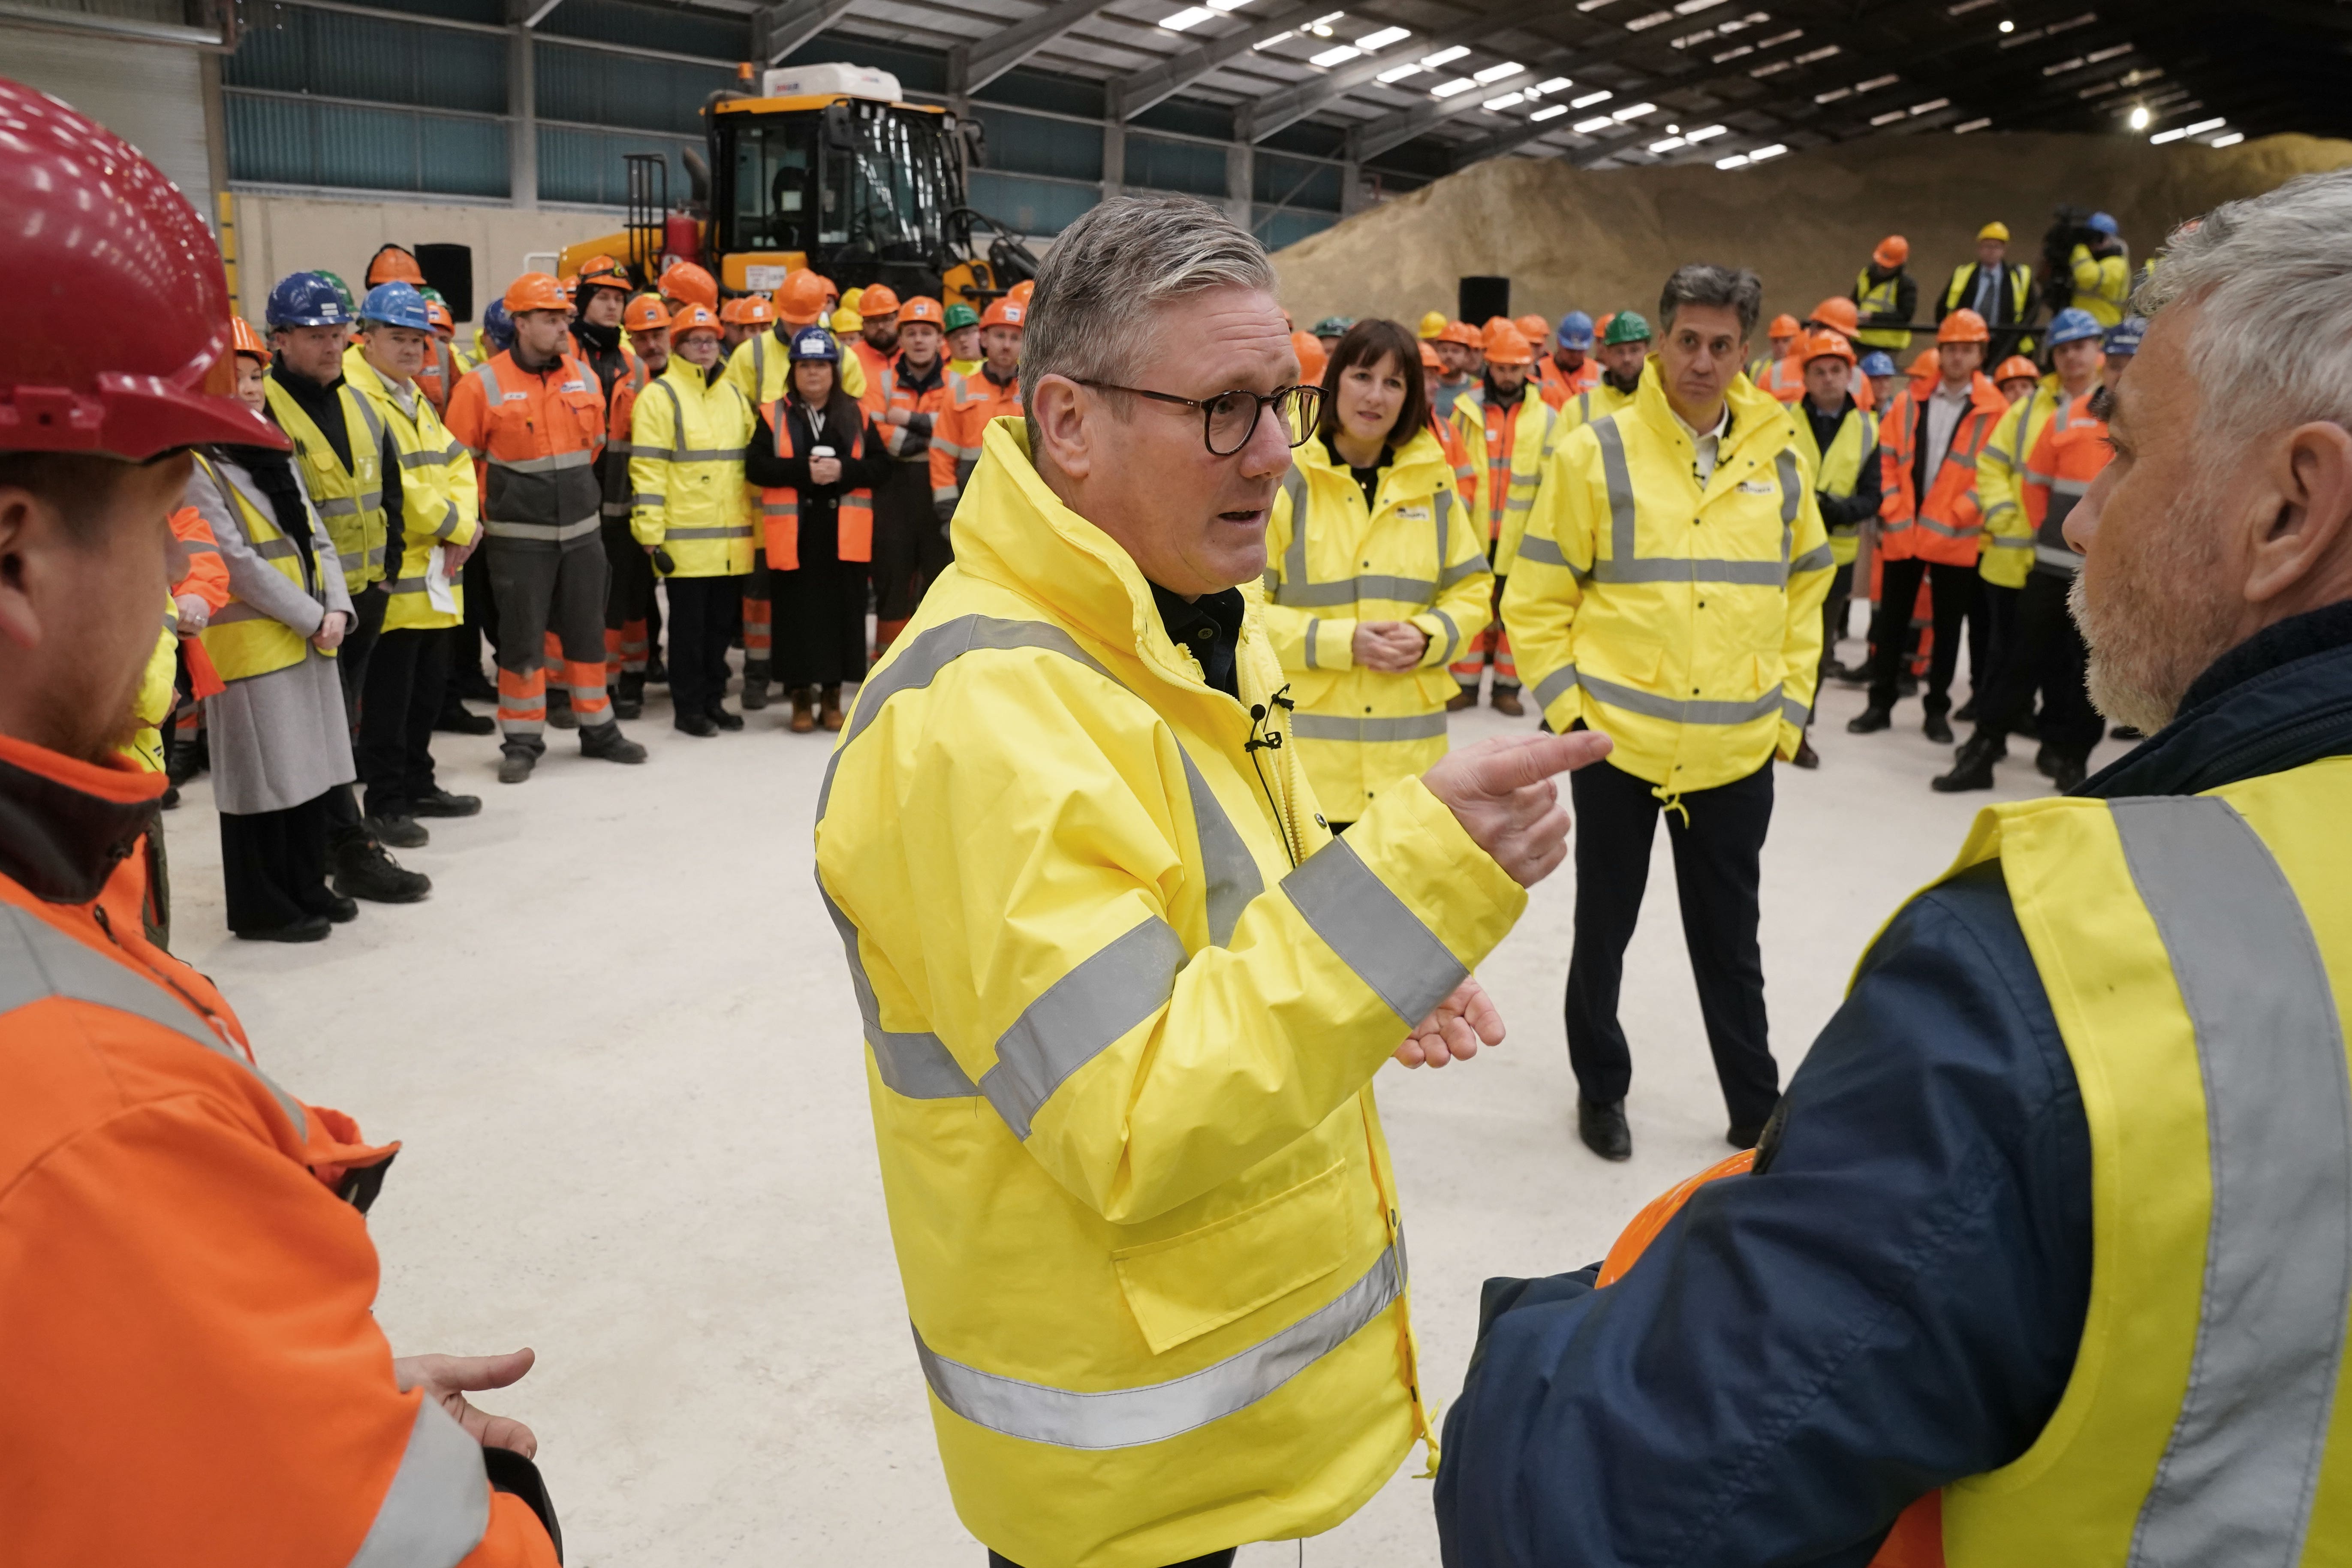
280,739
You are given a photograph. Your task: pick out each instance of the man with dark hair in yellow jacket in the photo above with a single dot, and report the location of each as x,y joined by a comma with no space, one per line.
1124,991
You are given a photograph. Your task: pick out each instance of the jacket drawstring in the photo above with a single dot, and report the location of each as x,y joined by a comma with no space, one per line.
1670,799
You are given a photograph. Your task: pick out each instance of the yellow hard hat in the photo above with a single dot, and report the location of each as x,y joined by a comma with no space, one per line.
852,297
1432,324
846,321
1995,230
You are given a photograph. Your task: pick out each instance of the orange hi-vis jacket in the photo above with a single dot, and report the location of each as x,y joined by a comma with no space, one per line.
1945,526
780,507
911,442
440,375
617,424
194,1372
206,578
877,367
2054,477
973,401
536,434
1784,378
1557,386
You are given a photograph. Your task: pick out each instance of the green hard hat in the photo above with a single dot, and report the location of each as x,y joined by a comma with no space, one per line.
961,316
1334,326
433,294
343,290
1626,327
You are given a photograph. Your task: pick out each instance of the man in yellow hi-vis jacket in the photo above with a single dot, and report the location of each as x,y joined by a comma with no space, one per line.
1123,992
1669,591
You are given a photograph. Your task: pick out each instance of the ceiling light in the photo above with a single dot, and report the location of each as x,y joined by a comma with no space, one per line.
2231,140
1589,99
1190,16
2007,26
1325,19
1267,43
1398,73
1496,73
1554,85
2202,126
1383,38
1821,53
1634,112
2063,66
1448,89
1445,57
1320,32
1669,144
1593,4
1334,55
1227,5
1674,130
2162,137
1687,40
1706,133
1554,113
1640,24
1693,7
2099,57
1506,102
1971,125
1833,95
1777,39
1775,69
1875,83
2139,117
1587,127
1932,105
1964,6
1761,154
1737,161
1889,117
1734,54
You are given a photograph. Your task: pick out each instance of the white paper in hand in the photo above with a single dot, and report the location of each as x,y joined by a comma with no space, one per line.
437,592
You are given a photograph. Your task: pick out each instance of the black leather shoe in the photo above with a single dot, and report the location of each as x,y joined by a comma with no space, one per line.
1937,728
310,928
342,911
1966,713
363,870
694,724
2069,772
1745,1137
1973,768
1870,721
724,719
1806,757
1603,1129
459,720
402,831
629,697
656,672
441,803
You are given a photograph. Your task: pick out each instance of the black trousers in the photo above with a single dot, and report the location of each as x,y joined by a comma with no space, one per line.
910,544
1213,1560
274,864
1717,865
1832,623
1999,608
821,622
2046,651
702,611
351,658
406,679
1956,594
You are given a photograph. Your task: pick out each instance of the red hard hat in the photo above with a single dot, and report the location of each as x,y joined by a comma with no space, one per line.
89,220
1535,329
2017,367
1826,344
394,264
693,319
535,291
1892,251
602,272
1504,343
1005,312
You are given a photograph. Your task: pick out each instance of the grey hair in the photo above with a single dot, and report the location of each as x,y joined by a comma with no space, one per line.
1090,318
1704,283
2273,346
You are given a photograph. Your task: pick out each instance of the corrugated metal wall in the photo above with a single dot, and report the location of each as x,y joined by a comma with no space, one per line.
589,87
577,165
1159,164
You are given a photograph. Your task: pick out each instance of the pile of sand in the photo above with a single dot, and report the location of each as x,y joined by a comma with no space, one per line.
1599,240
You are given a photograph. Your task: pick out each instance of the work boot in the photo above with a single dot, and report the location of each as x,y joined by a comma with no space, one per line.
629,697
726,720
622,707
1603,1129
457,719
559,709
1937,728
656,672
310,928
1507,702
697,725
1465,698
1966,713
1972,768
2046,759
515,764
1870,721
400,830
1806,757
363,870
606,743
829,715
1848,674
757,674
181,762
342,911
171,801
803,710
2069,772
439,802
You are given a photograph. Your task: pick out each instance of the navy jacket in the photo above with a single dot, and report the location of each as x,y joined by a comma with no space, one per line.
1894,1300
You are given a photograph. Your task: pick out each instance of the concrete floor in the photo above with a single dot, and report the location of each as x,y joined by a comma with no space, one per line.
619,1045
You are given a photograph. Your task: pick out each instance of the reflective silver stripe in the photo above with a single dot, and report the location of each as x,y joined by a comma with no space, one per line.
1452,638
1472,566
2075,487
1232,875
1294,557
1329,727
2065,561
1552,687
340,506
1313,625
1547,550
407,585
39,961
490,382
276,548
544,532
1817,559
2007,540
706,455
648,499
917,1065
1130,1417
743,532
1620,484
1948,531
547,465
1372,931
1675,569
237,610
1691,712
1300,594
1518,503
2242,1467
359,401
1079,1016
425,459
439,1503
1796,712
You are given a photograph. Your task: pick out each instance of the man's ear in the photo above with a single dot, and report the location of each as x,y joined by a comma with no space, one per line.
2309,507
1067,426
24,528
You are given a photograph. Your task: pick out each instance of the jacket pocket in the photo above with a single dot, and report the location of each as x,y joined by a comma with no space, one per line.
1182,1287
1620,657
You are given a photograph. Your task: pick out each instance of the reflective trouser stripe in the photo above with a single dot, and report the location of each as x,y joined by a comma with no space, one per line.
589,702
2242,1467
523,701
1339,727
758,627
1079,1016
439,1503
1130,1417
39,961
1372,932
543,532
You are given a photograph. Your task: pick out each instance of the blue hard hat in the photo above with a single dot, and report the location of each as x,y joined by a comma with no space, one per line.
305,300
2103,224
2071,326
2124,337
497,325
1575,331
396,304
815,342
1878,361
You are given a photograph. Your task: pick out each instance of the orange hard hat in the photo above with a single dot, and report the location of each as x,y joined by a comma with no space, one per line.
243,339
570,285
646,314
1504,343
1311,358
394,264
602,272
923,307
1963,326
1927,367
877,299
2016,366
1019,293
803,297
1783,326
1839,311
1892,251
1827,345
1601,327
753,310
1005,312
1535,329
731,312
535,291
684,280
693,319
1460,333
438,314
1429,360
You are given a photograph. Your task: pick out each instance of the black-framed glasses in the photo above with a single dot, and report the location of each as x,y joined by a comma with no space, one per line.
1229,419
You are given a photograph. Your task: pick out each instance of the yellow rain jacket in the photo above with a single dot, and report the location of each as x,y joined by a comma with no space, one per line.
1509,452
1595,402
686,440
439,502
2102,284
1332,563
2008,535
1121,1053
1684,623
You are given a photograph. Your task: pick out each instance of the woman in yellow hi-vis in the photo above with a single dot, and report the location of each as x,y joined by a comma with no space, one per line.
1376,576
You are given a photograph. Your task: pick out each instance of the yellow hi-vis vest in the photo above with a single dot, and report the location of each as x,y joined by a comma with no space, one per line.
349,500
2197,952
1121,1052
686,440
439,503
1510,450
152,706
1880,298
1838,470
1416,556
2018,280
244,642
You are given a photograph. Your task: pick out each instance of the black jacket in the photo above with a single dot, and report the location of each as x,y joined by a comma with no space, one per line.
844,426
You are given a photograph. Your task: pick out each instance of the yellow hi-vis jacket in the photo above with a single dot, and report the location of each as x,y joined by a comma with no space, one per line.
688,435
243,639
1121,1053
761,367
1837,471
349,501
2102,284
2197,952
1595,402
1509,449
2008,535
439,504
1331,561
1684,623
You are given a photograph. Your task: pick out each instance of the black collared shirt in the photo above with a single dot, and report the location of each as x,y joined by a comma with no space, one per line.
1211,625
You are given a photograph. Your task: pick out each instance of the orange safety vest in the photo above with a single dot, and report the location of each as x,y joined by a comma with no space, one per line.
1556,386
906,442
780,506
1785,379
439,376
1501,436
879,378
1947,526
2056,475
